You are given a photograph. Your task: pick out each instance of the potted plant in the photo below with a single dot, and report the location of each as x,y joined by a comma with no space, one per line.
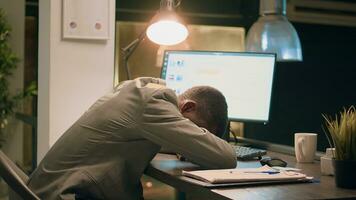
8,63
341,134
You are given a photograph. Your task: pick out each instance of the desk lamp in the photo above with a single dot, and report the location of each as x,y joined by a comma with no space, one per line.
273,33
165,28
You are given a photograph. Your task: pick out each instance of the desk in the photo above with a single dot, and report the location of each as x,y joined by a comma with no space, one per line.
167,169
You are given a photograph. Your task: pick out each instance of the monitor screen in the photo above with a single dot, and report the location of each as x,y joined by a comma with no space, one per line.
244,78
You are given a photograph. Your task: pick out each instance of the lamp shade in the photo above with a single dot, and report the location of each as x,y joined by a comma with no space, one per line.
273,33
166,29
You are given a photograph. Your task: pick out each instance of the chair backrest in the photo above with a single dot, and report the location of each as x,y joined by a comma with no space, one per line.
15,178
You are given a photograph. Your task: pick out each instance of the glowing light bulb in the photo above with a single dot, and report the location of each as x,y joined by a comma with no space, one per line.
167,32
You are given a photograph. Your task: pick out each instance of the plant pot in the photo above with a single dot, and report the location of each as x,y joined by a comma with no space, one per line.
345,176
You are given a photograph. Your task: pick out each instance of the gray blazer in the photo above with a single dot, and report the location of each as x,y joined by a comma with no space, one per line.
104,153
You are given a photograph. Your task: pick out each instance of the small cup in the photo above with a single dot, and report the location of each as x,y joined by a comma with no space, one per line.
305,147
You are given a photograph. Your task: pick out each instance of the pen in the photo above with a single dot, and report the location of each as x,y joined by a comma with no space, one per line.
265,172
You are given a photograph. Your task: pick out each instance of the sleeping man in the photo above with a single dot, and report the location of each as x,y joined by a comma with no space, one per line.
104,154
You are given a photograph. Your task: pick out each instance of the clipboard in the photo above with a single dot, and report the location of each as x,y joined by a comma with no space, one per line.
242,177
242,184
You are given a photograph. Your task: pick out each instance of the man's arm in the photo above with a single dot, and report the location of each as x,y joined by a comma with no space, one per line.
163,124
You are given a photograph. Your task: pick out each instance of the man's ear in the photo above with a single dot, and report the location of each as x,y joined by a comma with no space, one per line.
188,106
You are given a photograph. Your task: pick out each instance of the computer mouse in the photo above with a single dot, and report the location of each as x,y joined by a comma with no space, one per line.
273,162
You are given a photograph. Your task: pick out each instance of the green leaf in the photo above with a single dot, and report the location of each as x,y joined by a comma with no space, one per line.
342,131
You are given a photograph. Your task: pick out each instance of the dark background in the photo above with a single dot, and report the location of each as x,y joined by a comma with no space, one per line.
324,83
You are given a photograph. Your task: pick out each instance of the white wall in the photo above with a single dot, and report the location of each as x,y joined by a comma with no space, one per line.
72,74
15,14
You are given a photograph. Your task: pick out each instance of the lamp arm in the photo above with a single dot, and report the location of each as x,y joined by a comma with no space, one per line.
129,49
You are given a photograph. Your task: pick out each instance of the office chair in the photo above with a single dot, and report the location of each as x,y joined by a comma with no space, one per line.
15,178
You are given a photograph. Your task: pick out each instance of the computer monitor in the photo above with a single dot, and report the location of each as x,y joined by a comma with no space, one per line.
244,78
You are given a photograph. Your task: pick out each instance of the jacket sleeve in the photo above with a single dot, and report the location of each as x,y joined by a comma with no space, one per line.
163,124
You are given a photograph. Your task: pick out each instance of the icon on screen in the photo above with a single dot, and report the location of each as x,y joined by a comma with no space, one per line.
180,63
179,78
177,91
172,63
171,77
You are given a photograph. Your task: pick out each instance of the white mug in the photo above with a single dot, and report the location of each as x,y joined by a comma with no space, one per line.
305,146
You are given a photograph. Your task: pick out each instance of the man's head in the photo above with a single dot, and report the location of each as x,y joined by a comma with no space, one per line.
206,107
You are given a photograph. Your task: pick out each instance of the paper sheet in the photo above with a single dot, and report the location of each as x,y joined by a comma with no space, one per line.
243,175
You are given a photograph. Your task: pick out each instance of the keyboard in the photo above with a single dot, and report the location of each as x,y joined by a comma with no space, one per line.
248,152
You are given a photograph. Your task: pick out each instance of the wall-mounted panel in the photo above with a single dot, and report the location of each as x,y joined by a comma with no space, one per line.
86,19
